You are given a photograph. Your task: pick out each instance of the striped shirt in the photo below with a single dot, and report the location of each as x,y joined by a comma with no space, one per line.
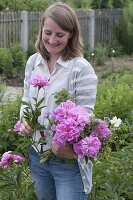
75,75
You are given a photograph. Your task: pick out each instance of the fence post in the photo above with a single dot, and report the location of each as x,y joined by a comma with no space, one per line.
24,30
91,38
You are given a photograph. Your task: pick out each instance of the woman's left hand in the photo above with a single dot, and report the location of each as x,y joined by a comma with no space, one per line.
66,151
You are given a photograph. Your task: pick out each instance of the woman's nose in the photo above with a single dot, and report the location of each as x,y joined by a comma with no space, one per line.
52,40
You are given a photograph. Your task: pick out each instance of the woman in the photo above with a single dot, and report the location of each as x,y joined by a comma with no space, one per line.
59,58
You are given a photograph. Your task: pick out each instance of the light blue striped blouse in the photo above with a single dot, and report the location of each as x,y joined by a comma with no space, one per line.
75,75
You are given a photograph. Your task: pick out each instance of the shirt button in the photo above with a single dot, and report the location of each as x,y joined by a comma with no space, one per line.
83,166
86,190
83,177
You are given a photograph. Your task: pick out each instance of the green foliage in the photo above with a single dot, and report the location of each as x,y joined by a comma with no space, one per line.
62,96
31,49
12,61
19,5
36,5
124,30
19,59
89,55
6,62
100,55
15,183
112,176
39,5
119,3
115,97
115,51
100,4
9,114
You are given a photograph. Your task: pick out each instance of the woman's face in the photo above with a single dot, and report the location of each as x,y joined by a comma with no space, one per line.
54,37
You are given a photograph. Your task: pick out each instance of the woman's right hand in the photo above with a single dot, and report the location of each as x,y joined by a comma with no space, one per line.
25,128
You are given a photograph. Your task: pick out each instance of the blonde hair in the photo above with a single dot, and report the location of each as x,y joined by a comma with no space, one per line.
67,19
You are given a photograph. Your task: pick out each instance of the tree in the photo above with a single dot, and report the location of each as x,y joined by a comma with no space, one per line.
99,4
124,30
119,3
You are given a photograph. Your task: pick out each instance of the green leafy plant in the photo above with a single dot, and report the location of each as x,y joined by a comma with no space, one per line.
115,97
125,37
19,59
112,176
31,49
9,113
100,55
6,62
16,183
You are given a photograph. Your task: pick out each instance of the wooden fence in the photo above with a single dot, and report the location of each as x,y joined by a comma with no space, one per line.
97,26
10,25
105,21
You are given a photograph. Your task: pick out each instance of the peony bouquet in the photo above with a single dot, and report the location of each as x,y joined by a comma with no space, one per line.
85,133
73,124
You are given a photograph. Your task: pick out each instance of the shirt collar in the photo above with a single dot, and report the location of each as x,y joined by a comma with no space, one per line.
63,63
41,60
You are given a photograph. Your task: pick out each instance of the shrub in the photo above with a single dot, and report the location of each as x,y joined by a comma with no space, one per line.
31,49
100,55
115,97
112,176
124,30
19,59
15,183
9,114
6,62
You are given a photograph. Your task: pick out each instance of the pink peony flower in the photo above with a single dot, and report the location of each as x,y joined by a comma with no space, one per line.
8,157
68,130
103,130
80,114
17,126
39,81
62,111
94,133
18,158
88,146
68,110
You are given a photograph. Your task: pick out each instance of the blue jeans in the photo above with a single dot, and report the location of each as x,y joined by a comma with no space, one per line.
55,179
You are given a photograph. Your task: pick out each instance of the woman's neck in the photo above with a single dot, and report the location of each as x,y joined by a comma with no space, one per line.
51,63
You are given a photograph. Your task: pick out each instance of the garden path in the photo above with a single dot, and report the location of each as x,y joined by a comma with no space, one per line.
12,92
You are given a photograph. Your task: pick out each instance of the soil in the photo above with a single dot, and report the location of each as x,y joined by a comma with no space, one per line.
13,81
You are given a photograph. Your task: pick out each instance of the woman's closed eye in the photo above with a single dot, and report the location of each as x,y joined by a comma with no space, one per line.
60,35
57,34
47,32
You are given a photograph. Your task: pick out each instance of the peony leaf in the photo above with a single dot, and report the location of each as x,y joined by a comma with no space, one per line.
40,102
